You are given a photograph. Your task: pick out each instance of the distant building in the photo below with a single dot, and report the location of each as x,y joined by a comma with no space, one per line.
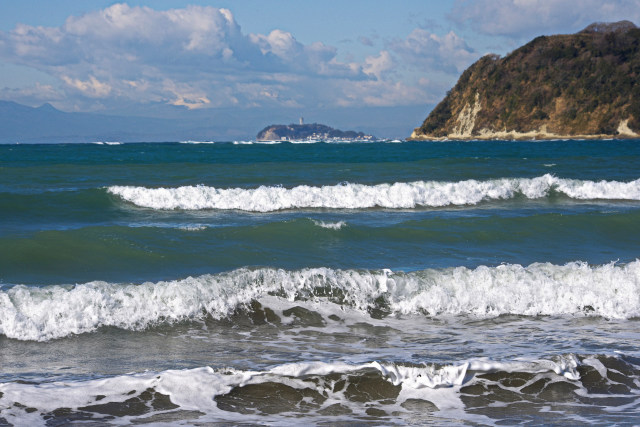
301,120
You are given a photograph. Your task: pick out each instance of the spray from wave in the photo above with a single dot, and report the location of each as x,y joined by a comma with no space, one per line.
398,195
611,291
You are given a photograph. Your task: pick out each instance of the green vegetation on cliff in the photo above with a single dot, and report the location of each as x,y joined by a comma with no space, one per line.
584,85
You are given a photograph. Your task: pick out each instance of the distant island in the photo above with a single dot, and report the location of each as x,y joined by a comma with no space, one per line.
313,131
577,86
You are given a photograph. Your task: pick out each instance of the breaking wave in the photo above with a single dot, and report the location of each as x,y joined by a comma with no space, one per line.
398,195
44,313
328,392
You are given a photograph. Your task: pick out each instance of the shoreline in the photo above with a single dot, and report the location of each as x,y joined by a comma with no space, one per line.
537,135
524,138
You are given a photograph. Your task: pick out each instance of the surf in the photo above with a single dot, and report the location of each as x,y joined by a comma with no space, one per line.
541,289
398,195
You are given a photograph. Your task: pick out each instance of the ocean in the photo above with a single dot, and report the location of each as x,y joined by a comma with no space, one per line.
384,283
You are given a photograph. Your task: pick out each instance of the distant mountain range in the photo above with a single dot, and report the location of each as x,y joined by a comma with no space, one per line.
20,123
584,85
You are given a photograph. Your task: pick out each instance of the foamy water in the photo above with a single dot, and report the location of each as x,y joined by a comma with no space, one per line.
330,225
575,289
207,394
398,195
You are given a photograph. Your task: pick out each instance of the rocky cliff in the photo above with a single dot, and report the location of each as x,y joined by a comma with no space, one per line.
584,85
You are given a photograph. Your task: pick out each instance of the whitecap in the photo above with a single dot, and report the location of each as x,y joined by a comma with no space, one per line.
575,289
330,225
399,195
192,227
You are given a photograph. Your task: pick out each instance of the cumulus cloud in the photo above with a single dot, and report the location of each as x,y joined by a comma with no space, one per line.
91,87
193,57
378,65
199,57
526,18
448,53
382,93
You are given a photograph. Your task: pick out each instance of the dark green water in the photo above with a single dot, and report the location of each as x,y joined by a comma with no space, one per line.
59,224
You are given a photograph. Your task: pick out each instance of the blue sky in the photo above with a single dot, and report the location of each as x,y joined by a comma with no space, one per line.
266,58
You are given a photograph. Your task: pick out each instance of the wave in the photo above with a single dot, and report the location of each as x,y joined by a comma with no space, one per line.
333,391
197,142
398,195
303,141
330,225
575,289
192,227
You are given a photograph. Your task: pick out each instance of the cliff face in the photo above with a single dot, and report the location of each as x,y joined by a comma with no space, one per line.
584,85
313,130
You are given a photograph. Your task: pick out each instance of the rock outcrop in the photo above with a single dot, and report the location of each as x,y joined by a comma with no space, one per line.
584,85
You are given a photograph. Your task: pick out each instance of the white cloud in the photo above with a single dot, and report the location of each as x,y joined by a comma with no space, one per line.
91,87
278,42
127,54
526,18
33,95
205,30
448,53
185,95
198,57
378,65
381,93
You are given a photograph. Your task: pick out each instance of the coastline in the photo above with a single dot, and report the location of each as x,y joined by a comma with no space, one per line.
538,135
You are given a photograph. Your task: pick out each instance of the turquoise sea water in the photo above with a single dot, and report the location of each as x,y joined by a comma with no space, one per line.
394,283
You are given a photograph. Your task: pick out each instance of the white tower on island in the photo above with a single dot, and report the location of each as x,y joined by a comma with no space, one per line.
301,120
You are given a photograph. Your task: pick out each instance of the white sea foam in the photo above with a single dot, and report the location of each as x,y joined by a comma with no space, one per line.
197,142
398,195
192,227
330,225
43,313
303,141
196,389
107,143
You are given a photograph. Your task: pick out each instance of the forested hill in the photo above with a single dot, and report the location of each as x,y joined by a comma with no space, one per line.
583,85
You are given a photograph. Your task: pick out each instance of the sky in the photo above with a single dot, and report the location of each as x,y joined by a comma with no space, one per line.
335,61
